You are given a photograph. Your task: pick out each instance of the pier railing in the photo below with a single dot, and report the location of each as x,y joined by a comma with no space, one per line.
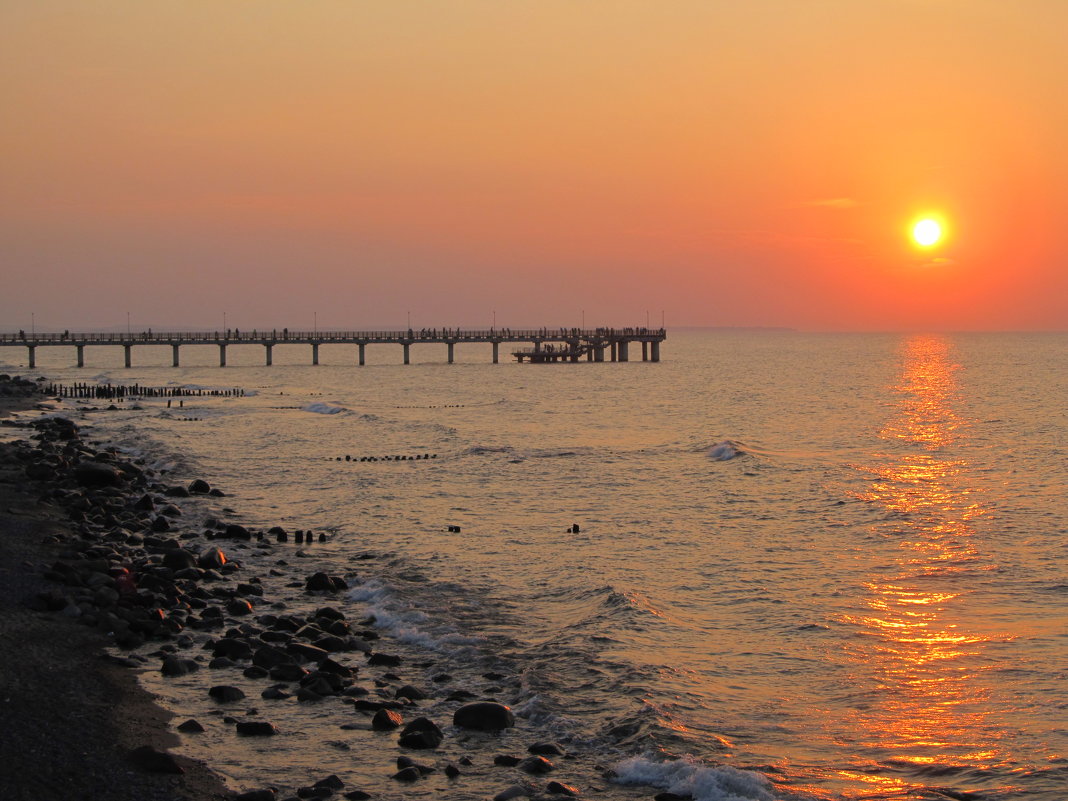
596,343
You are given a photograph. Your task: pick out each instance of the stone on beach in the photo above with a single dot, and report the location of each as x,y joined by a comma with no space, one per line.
96,474
536,765
190,727
225,693
256,728
266,794
178,666
386,720
421,733
484,716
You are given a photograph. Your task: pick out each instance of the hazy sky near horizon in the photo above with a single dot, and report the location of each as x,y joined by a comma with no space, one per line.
727,163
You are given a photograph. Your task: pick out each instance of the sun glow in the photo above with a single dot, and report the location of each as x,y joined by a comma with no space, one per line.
926,232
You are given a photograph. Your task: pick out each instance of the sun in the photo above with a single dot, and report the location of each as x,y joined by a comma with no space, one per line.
927,232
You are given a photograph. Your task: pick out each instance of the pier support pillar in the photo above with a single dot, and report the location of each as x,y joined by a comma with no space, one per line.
362,348
406,346
450,344
81,355
496,348
33,355
598,353
624,351
222,355
589,354
655,351
315,353
613,346
269,357
174,355
645,351
127,348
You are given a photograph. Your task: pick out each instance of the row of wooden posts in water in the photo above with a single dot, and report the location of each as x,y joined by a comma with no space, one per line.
114,391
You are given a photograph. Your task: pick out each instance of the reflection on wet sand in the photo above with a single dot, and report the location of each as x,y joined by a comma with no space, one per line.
922,722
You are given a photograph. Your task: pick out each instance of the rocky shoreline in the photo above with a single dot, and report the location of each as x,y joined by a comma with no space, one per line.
98,543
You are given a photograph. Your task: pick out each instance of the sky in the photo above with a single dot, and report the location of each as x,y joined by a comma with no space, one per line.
704,162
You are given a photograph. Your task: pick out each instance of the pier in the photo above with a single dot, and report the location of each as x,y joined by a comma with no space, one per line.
544,345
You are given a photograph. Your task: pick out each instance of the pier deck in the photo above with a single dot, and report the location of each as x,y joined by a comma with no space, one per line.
596,344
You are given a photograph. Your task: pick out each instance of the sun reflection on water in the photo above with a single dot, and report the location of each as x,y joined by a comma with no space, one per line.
925,718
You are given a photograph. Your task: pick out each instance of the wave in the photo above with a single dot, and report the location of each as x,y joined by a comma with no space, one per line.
323,408
690,778
722,451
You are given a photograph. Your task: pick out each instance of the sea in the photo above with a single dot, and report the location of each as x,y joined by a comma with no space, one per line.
772,565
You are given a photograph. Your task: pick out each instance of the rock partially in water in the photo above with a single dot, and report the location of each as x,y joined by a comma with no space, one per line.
484,716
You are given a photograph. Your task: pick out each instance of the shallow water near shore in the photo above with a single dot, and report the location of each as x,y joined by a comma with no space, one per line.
837,560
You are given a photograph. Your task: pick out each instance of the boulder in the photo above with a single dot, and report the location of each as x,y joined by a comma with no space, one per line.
559,788
178,666
199,487
225,693
386,720
536,765
484,716
95,474
190,727
421,733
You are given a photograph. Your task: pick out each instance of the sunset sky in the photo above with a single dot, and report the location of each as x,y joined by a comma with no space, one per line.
728,163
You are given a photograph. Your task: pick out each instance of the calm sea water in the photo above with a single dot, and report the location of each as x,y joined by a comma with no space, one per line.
840,560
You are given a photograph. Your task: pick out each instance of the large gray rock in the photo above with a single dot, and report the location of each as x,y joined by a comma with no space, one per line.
95,474
484,716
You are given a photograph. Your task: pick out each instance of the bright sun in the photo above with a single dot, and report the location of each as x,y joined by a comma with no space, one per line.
926,232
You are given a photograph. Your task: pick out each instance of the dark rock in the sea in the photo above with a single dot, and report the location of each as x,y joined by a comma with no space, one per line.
95,474
357,795
452,771
225,693
484,716
506,760
515,791
386,719
287,671
547,749
215,492
409,774
671,797
161,524
211,558
236,532
413,693
559,788
536,765
268,656
178,559
460,695
385,660
190,727
178,666
331,782
255,672
275,693
199,487
232,648
148,758
421,733
256,728
267,794
305,651
466,761
308,696
321,582
239,607
176,492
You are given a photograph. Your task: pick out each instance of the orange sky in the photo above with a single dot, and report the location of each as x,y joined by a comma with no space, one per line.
753,163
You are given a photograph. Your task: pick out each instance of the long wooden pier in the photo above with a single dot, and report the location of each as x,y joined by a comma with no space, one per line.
596,344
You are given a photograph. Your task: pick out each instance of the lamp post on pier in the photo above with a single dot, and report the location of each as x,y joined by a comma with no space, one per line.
127,325
33,325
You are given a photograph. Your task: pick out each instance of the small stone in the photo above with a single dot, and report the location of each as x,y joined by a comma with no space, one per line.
266,794
226,693
199,487
386,720
191,726
256,728
546,749
357,795
536,765
515,791
408,691
332,782
506,760
177,666
421,733
558,788
409,774
452,771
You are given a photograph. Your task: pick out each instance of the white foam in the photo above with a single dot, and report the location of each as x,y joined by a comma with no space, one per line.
688,777
403,622
722,451
323,408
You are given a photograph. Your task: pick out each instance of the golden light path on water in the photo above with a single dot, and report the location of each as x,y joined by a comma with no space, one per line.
928,717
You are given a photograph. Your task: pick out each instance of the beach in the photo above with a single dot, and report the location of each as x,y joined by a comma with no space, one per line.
80,623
